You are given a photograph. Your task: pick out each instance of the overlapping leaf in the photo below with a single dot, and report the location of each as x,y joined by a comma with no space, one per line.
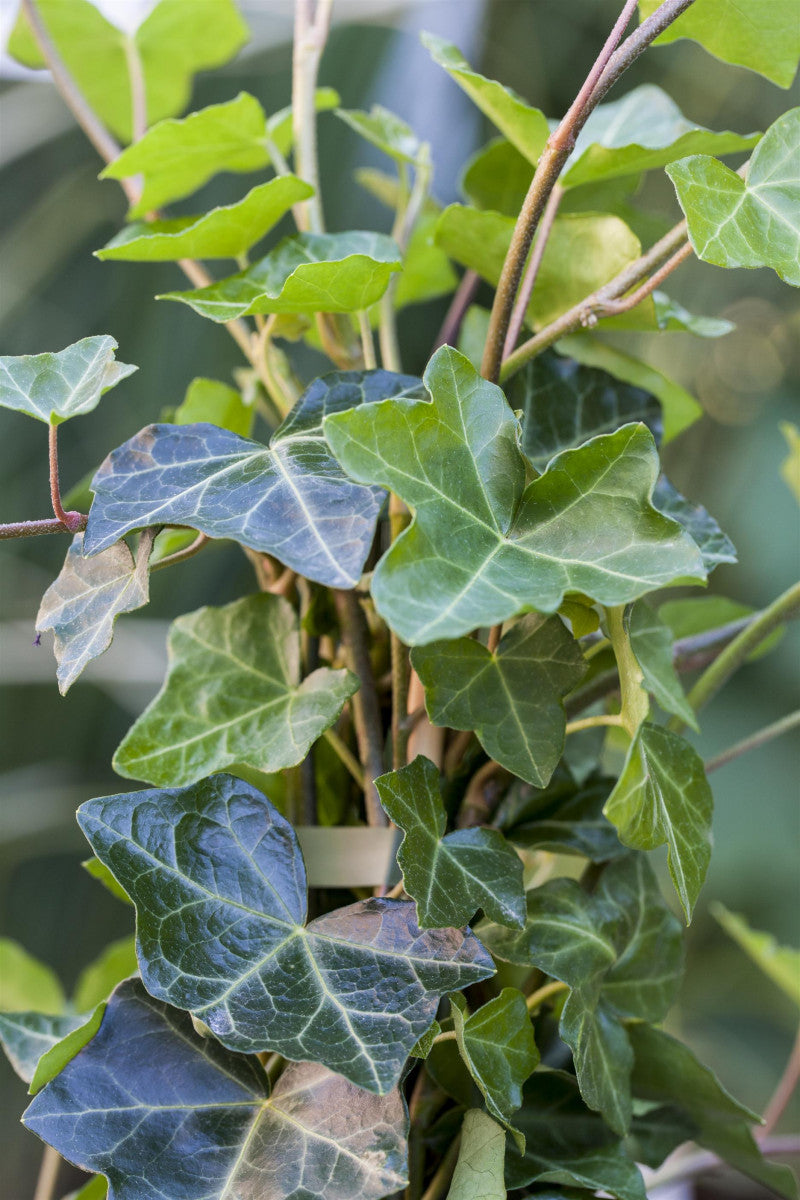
511,697
385,130
224,232
619,950
565,817
482,546
209,400
27,1036
449,877
747,223
663,796
292,500
233,694
55,387
308,273
714,545
651,642
152,1105
479,1169
219,886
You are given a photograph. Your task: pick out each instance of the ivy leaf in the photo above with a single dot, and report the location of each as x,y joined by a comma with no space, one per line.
83,603
642,130
385,130
27,983
663,796
152,1105
525,127
752,223
651,642
27,1036
667,1072
714,545
423,1046
97,981
224,232
213,402
69,383
763,37
292,500
586,525
619,950
656,1133
780,963
427,273
308,273
449,877
568,1144
511,697
497,177
99,871
698,614
217,868
565,817
481,1156
171,48
95,1189
233,694
499,1050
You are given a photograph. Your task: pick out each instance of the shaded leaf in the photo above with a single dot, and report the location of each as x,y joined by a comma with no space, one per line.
422,1048
233,694
215,868
152,1105
449,877
511,697
657,1132
69,383
82,604
714,545
308,273
525,127
427,272
780,963
619,950
479,1169
27,1036
651,642
385,130
697,614
663,796
565,818
215,403
752,223
101,873
224,232
292,500
790,467
26,983
585,525
497,177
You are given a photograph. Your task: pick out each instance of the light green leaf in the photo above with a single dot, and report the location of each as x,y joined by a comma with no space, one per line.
449,877
26,1037
790,467
26,983
525,127
233,694
663,796
752,223
280,126
498,1047
512,697
101,873
385,130
479,1169
98,980
68,383
225,232
427,272
218,404
642,130
497,177
171,44
95,1189
83,603
651,642
585,525
762,36
780,963
70,1042
619,950
423,1047
584,251
309,273
673,317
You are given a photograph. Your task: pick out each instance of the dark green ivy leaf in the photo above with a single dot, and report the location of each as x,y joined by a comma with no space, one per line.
163,1112
219,885
651,642
714,545
656,1133
565,817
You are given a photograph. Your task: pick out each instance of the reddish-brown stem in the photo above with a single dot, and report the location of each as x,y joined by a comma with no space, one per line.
69,520
783,1092
532,270
462,298
21,529
612,307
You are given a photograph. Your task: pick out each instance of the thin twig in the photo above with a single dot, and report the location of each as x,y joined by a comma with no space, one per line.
367,342
138,92
401,725
310,35
20,529
783,1092
776,729
48,1175
177,556
493,640
537,998
613,307
340,747
532,270
405,220
366,709
592,723
462,298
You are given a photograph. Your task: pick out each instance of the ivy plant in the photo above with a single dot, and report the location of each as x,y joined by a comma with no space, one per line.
460,566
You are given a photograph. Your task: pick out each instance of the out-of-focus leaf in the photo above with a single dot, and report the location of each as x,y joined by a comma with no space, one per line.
217,868
714,545
449,877
698,614
663,796
101,873
95,1189
497,177
673,317
427,272
790,467
747,223
565,818
213,402
655,1134
479,1169
780,963
233,694
308,273
97,981
224,232
651,642
456,462
511,697
69,383
177,1112
26,983
385,130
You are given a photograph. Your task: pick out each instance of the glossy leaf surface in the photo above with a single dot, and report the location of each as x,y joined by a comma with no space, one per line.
651,642
714,545
449,877
585,525
27,1036
233,694
385,130
512,697
55,387
565,817
153,1106
780,963
496,1042
479,1169
216,871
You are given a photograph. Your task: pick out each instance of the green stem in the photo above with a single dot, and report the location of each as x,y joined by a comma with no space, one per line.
537,998
340,748
367,343
310,35
405,220
592,723
776,729
635,704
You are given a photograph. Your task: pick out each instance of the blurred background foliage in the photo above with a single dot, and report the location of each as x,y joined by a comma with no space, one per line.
54,212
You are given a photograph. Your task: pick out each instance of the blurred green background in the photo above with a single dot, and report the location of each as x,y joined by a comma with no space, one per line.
53,213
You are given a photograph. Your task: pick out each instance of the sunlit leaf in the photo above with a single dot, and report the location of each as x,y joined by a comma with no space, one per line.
780,963
449,877
233,694
651,642
209,400
55,387
385,130
479,1169
663,796
586,525
26,983
151,1105
511,697
215,868
752,223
